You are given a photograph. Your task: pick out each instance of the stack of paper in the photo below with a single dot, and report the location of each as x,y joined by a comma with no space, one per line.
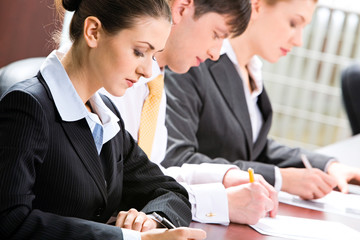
334,202
303,228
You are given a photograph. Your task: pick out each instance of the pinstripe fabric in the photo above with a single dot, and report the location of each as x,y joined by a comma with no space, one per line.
54,185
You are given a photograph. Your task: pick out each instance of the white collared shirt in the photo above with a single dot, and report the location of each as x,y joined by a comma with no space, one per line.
256,118
68,102
206,194
254,68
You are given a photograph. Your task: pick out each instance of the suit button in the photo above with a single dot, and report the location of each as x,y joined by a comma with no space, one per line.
98,212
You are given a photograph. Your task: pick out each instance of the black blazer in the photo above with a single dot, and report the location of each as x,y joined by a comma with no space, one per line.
208,121
53,184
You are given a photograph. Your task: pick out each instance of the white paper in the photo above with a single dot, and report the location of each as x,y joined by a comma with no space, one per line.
334,202
303,228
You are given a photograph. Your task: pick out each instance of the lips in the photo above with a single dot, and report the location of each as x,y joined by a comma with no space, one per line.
198,61
284,51
130,82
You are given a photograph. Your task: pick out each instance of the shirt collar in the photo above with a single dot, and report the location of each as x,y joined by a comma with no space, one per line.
67,101
254,66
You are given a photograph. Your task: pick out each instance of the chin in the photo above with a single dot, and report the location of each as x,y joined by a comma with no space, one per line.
179,69
118,93
273,59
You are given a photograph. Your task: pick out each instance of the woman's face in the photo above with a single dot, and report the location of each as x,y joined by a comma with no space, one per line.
279,28
121,59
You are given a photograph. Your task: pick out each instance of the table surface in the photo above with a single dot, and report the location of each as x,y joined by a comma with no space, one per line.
346,151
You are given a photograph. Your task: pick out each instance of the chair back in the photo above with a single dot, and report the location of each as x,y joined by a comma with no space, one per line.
350,87
19,71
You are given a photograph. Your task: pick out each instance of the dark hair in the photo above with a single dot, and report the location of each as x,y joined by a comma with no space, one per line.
238,11
114,15
273,2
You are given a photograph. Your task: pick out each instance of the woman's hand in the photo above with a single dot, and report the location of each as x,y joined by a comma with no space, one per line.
307,183
181,233
135,220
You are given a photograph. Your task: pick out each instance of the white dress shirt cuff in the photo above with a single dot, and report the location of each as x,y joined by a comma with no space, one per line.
209,203
131,234
328,164
203,173
278,179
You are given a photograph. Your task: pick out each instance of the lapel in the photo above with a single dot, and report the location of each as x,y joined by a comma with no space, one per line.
266,110
231,87
80,136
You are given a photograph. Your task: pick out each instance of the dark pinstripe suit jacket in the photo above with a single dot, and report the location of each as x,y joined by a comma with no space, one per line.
53,184
208,121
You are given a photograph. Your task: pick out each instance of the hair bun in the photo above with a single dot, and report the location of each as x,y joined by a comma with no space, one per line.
71,5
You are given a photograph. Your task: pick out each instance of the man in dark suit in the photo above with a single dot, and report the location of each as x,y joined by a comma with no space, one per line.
208,121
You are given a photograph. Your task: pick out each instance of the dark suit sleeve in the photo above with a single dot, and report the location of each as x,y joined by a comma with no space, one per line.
146,188
185,100
23,145
284,156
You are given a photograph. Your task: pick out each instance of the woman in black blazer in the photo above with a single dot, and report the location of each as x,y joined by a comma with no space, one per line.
66,162
220,112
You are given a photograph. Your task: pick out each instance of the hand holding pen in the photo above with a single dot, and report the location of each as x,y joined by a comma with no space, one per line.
163,221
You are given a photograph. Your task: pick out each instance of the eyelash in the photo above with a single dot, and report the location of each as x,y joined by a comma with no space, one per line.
292,24
138,53
216,36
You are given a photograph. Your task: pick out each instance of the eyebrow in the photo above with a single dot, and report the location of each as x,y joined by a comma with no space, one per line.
151,46
224,34
302,17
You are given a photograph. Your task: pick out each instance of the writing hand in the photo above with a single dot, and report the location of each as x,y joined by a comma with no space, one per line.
307,183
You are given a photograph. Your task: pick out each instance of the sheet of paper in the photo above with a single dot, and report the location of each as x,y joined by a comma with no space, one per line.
303,228
334,202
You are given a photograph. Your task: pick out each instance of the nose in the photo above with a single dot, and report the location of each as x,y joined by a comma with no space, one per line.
145,69
297,40
214,51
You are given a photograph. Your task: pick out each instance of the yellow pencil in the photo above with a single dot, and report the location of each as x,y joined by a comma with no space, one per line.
251,175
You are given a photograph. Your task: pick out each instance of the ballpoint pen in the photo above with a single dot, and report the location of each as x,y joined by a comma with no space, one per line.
163,221
305,161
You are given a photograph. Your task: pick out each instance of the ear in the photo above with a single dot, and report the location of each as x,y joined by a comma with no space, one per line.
179,8
256,6
92,27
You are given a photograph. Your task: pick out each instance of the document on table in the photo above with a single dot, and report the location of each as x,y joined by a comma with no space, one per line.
304,228
334,202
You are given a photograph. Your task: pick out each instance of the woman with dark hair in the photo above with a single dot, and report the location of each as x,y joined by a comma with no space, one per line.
66,162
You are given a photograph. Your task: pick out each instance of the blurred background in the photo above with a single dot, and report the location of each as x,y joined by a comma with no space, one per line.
304,86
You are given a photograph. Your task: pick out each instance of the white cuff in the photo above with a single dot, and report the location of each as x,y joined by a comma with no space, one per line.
278,179
328,164
200,173
130,234
209,203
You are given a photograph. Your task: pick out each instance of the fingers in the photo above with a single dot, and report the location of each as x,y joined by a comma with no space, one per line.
134,220
316,184
343,186
181,233
190,233
272,193
266,201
